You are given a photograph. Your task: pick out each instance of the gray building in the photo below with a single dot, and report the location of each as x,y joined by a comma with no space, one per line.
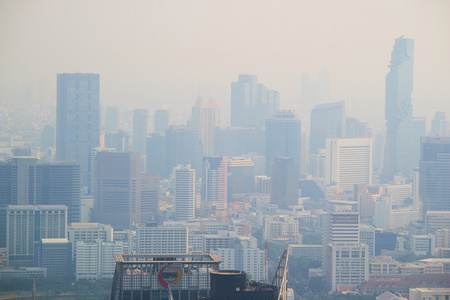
77,119
161,121
140,130
434,170
284,182
283,138
398,108
55,255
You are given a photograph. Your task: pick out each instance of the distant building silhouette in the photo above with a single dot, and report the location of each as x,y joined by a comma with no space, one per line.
398,108
440,125
77,119
47,138
251,103
434,172
241,176
111,119
140,131
283,137
327,121
205,118
214,183
161,121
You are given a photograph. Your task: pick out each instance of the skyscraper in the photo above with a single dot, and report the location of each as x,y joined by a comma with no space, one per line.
111,119
123,194
214,182
241,176
47,138
251,103
283,137
77,119
161,121
327,121
284,182
398,108
440,125
348,162
434,182
205,118
184,192
140,130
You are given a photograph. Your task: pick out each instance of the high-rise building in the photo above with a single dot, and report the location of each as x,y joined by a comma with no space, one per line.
184,192
27,224
284,182
47,138
140,130
123,194
327,121
205,119
419,128
77,119
251,103
241,176
161,239
118,140
348,162
88,232
434,183
214,183
161,121
156,154
283,138
439,125
111,119
27,181
398,108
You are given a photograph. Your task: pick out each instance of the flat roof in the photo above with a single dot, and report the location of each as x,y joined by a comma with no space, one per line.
168,258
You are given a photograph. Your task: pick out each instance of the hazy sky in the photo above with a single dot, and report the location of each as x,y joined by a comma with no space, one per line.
150,53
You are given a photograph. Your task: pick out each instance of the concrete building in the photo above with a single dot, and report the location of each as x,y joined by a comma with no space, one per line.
383,266
367,236
437,220
184,192
423,244
55,255
161,239
112,118
77,119
429,293
241,176
214,183
88,232
161,121
140,131
310,251
284,182
27,224
204,120
282,227
95,259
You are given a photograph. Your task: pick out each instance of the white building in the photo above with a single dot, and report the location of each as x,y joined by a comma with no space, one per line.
161,239
95,260
184,192
88,232
348,265
399,193
348,162
281,227
423,244
429,293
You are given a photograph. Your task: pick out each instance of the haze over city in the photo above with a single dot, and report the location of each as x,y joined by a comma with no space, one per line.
151,53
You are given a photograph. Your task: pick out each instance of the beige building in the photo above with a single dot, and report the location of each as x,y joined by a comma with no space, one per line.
429,294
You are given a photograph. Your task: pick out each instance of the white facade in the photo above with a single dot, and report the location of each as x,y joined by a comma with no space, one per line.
399,193
281,226
161,239
95,260
348,265
88,232
348,162
184,192
423,244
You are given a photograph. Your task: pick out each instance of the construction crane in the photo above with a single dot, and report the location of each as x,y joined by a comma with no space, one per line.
281,275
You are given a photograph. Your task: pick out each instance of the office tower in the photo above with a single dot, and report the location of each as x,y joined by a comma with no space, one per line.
398,108
284,182
262,185
348,162
95,259
77,119
161,239
27,181
283,138
241,176
123,194
239,141
27,224
439,125
316,91
383,211
214,183
161,121
419,128
367,236
55,254
205,118
182,146
140,130
94,152
88,232
355,129
434,184
184,192
327,121
111,119
251,103
348,265
47,138
378,146
118,140
156,154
